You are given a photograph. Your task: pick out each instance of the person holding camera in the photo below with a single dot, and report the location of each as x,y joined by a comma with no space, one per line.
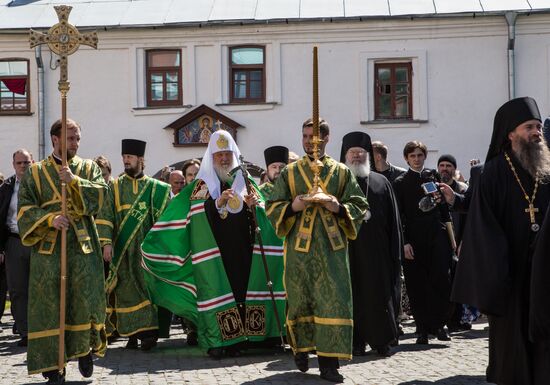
427,251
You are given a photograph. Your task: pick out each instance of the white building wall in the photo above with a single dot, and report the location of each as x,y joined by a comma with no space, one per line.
464,81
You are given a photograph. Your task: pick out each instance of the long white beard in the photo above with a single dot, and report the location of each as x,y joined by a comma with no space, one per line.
535,158
361,170
223,172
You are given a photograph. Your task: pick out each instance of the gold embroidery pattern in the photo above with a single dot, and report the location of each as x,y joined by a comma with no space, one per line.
255,320
200,192
230,323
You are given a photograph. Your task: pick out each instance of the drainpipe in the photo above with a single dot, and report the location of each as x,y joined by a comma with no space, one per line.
41,117
511,21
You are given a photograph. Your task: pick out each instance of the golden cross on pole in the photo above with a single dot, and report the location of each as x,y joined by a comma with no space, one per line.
64,40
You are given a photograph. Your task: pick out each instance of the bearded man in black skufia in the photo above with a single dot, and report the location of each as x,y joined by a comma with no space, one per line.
375,255
497,271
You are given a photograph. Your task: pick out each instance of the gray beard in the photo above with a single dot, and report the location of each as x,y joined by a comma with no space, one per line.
535,158
360,170
223,173
446,179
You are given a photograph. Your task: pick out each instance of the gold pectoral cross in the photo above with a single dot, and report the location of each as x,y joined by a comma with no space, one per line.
532,210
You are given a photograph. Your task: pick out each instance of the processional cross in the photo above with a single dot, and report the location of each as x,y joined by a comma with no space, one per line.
63,39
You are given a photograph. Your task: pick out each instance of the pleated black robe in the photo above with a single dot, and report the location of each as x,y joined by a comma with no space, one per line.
499,274
375,258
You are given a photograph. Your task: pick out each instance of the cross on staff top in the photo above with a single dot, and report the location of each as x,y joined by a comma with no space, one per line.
63,39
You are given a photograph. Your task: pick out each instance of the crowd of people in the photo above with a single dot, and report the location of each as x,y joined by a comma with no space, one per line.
244,264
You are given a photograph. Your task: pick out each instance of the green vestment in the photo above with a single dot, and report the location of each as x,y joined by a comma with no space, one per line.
266,189
132,207
39,203
185,273
317,277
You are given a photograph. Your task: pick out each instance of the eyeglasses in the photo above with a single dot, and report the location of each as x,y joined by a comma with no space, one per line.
25,162
356,152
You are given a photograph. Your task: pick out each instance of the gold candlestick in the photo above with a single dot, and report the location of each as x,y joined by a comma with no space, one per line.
316,193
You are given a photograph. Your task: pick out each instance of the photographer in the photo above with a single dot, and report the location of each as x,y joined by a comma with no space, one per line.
428,252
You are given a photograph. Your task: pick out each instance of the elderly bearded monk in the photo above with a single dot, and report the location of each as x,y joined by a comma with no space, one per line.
375,255
202,259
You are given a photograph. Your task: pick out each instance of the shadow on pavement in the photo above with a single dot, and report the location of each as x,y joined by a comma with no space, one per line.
455,380
289,378
68,382
175,354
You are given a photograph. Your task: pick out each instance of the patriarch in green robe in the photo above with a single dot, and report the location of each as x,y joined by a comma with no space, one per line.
276,158
203,259
134,204
317,275
40,224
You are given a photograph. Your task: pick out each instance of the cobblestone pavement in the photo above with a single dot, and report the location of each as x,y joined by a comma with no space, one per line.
461,361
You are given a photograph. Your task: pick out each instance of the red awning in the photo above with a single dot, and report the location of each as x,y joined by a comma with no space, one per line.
17,86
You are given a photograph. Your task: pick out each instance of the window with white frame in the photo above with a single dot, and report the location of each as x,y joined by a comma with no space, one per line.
14,86
393,87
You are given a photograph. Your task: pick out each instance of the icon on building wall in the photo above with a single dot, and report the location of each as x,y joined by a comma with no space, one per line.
196,127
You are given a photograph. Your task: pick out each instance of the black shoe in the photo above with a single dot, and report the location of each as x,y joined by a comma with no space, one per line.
461,327
148,344
332,375
422,339
132,343
301,361
22,342
215,353
400,331
86,365
358,350
192,338
113,337
54,377
442,335
232,351
384,351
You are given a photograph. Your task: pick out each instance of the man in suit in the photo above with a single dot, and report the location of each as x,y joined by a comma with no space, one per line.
13,254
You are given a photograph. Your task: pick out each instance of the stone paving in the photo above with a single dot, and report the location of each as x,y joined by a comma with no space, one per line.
461,361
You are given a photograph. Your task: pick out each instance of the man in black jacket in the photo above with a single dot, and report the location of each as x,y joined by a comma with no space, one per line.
15,256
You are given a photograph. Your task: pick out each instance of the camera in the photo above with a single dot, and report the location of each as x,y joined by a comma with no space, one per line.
429,187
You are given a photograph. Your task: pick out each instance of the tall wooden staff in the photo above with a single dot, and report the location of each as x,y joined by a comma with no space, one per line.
63,39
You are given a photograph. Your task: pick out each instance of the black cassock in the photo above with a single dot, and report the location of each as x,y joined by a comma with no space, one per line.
375,258
427,276
498,274
235,238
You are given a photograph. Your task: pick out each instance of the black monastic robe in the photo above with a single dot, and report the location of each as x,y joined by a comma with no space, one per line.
427,276
235,240
496,272
375,265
